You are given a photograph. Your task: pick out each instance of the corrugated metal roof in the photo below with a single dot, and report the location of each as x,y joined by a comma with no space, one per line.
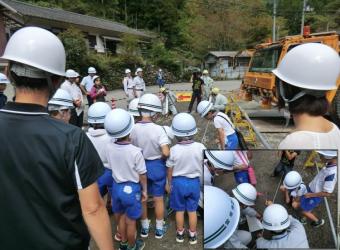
70,17
223,53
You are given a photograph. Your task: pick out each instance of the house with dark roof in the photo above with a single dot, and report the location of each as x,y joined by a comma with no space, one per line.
227,64
102,35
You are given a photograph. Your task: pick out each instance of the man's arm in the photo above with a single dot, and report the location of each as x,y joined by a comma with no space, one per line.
82,88
96,217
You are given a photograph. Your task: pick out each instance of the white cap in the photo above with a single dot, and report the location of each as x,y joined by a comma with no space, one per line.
118,123
222,214
220,158
245,193
38,48
70,73
133,107
275,218
292,180
91,70
61,99
150,102
183,125
127,71
4,79
204,107
312,66
97,112
94,78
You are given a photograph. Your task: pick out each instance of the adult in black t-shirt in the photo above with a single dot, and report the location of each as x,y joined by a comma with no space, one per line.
286,163
197,90
49,169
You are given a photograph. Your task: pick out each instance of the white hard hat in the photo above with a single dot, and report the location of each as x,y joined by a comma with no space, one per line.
312,66
220,158
328,154
150,102
292,180
169,132
139,70
61,98
222,214
205,72
94,78
160,70
133,107
118,123
245,193
91,70
204,107
38,48
275,218
4,79
97,112
127,71
183,125
70,73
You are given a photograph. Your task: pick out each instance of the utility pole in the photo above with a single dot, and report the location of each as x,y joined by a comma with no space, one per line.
274,21
303,15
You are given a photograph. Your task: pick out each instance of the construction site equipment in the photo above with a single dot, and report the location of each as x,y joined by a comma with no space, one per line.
311,160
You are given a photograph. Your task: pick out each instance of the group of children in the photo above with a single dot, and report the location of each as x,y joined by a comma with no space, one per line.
284,230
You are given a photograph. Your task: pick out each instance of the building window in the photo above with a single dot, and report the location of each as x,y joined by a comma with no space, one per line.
111,46
92,41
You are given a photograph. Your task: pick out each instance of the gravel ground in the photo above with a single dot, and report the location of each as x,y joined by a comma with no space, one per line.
264,162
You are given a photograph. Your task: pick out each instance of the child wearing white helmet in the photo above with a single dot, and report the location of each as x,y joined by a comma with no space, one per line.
138,83
321,186
208,84
246,195
60,105
129,86
306,73
99,138
293,188
226,133
184,171
129,187
154,142
285,230
3,85
87,84
220,229
133,109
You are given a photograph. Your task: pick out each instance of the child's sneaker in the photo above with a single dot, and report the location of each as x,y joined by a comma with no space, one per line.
123,245
180,237
303,220
139,245
118,237
192,239
144,232
318,223
159,233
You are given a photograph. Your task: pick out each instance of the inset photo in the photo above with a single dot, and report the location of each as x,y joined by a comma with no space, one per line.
262,199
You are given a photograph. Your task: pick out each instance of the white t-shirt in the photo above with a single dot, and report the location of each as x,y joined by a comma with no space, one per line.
128,83
99,139
186,159
149,137
126,162
325,180
251,212
299,191
139,83
87,82
220,122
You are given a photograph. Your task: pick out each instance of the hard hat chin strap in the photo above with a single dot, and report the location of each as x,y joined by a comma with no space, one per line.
294,98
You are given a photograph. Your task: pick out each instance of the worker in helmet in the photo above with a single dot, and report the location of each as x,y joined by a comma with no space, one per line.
139,83
219,101
305,74
87,84
60,105
208,84
129,87
168,99
51,167
3,85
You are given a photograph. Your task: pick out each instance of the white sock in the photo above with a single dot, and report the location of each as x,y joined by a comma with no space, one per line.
159,224
145,223
192,234
180,232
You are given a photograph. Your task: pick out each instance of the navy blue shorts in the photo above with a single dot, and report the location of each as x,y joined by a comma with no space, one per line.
185,193
308,204
156,174
126,199
241,177
232,142
105,182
